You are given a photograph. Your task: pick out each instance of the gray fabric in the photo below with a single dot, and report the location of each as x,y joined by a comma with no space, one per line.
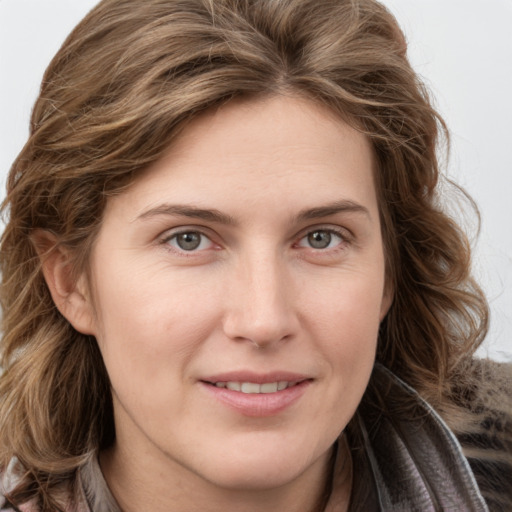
405,457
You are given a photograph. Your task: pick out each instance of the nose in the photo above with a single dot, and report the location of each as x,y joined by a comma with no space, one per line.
260,306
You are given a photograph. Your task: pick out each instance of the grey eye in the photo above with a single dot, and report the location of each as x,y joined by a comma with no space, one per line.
188,241
320,239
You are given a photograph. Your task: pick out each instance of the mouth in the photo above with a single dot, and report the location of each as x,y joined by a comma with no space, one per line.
257,395
251,388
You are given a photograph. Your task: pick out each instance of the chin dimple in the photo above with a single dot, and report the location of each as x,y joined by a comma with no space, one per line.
255,388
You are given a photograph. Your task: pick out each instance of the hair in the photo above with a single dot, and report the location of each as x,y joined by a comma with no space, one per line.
119,91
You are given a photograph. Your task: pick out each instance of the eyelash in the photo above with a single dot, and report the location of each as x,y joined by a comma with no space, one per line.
345,238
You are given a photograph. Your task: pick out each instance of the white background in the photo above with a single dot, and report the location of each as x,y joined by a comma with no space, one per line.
462,49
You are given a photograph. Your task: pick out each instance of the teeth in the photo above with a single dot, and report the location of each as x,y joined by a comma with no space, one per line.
271,387
234,386
250,387
282,385
254,388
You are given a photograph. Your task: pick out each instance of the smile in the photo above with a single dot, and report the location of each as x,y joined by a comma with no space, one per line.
257,396
254,387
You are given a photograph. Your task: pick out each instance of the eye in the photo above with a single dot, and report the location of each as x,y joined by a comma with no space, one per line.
321,239
189,241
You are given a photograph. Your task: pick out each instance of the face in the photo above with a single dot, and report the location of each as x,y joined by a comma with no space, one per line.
238,287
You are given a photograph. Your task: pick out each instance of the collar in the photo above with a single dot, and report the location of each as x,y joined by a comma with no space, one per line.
405,458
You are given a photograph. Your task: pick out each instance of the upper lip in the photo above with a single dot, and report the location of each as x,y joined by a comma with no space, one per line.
257,378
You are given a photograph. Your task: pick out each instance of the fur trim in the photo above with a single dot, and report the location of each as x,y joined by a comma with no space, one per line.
482,421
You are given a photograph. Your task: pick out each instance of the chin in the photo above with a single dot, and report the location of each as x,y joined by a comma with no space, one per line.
262,468
252,479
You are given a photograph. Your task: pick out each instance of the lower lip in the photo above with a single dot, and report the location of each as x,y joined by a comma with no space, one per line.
258,404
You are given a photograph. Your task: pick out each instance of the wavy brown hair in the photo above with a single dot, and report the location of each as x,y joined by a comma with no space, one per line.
123,85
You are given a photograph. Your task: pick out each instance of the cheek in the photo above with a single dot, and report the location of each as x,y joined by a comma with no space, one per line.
355,320
345,320
152,298
345,327
150,325
349,302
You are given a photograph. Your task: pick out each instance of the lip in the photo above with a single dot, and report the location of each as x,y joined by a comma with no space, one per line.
262,404
258,378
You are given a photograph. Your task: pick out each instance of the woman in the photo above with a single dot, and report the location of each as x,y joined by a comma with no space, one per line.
227,280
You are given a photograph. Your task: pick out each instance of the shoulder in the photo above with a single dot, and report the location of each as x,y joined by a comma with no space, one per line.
31,506
10,502
477,411
7,506
8,481
483,426
482,417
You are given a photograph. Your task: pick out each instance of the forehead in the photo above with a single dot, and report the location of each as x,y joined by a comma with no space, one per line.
288,126
262,151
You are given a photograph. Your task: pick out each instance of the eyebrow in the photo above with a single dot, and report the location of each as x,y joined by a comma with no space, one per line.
194,212
343,206
213,215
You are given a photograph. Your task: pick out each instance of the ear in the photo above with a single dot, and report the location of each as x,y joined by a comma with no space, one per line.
71,296
387,298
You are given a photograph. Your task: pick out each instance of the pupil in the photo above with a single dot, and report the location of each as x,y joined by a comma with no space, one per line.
319,239
189,241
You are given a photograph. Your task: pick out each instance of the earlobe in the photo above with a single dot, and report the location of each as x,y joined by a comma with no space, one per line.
69,294
387,300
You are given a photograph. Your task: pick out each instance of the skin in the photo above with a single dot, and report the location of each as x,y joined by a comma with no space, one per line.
255,295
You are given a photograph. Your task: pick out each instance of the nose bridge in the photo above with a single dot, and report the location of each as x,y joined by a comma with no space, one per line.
260,303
